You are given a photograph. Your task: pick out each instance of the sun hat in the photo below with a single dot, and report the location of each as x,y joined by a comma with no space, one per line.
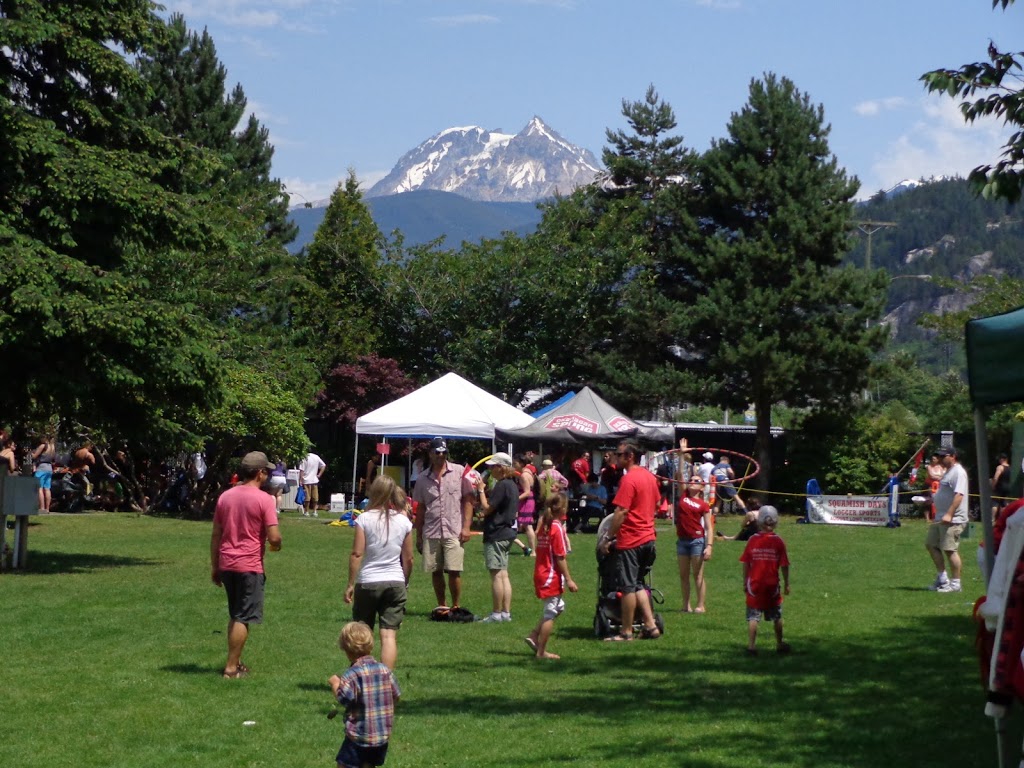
499,460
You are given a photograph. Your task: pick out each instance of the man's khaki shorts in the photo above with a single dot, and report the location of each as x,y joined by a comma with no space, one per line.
442,555
944,537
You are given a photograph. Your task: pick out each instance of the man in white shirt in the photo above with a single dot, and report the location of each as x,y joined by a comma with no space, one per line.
704,470
311,469
950,521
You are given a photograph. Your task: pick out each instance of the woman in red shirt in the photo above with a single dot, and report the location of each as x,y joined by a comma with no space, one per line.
695,530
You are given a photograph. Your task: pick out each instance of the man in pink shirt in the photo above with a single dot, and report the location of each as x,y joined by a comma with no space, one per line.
446,496
245,521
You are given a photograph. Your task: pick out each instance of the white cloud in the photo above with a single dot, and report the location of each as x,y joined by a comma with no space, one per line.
258,14
463,20
877,106
320,190
940,143
720,5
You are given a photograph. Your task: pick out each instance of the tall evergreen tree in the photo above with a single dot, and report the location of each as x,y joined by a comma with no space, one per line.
344,308
188,100
81,195
779,320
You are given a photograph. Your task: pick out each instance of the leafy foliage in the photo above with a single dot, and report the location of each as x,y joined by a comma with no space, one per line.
1000,79
354,389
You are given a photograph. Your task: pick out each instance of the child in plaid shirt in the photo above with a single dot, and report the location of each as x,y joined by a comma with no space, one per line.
368,691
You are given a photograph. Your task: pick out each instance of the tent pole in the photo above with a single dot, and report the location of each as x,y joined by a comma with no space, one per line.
985,490
355,458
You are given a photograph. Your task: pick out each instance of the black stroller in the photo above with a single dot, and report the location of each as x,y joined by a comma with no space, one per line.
608,615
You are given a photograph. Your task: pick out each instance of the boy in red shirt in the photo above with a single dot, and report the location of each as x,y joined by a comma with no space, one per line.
550,572
763,559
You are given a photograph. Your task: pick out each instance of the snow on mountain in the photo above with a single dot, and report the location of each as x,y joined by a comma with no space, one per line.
491,166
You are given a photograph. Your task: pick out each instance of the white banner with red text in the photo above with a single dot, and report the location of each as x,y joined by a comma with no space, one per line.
848,510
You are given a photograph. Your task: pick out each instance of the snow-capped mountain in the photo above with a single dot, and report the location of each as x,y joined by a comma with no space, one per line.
489,166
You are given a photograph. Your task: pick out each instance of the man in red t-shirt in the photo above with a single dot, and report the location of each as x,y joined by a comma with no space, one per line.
763,559
632,529
245,519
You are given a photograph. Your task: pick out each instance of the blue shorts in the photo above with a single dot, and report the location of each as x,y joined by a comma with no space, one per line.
690,547
45,479
351,755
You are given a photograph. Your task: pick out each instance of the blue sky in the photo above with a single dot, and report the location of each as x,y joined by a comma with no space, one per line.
356,83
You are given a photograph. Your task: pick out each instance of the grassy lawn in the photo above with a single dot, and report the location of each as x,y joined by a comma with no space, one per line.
114,640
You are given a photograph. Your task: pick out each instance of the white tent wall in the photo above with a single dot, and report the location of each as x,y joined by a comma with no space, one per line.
449,407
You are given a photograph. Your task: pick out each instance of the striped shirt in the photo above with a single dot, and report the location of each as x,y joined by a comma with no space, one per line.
368,692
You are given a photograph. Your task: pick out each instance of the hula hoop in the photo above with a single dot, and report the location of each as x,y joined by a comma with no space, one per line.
485,458
735,481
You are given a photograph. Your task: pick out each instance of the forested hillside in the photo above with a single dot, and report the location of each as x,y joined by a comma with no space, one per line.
940,227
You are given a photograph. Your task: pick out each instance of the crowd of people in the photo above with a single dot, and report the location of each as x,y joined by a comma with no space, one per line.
446,496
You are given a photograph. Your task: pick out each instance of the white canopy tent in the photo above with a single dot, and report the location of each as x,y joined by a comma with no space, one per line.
447,407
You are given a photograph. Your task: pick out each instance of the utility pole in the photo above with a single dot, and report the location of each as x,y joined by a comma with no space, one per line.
869,228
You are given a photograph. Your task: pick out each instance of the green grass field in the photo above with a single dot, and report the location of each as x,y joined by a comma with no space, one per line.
113,643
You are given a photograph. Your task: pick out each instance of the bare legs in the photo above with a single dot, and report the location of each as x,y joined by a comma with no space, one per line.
238,633
538,639
695,565
501,592
454,586
630,602
388,647
44,499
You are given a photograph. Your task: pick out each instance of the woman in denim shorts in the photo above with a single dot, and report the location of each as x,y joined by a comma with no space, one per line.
695,530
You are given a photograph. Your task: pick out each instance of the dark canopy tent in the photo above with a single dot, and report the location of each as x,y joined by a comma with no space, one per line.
586,418
995,373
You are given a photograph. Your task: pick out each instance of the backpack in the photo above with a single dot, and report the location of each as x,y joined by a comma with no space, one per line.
456,615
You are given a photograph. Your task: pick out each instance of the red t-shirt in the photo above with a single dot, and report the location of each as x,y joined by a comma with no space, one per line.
639,495
765,555
690,517
244,513
551,544
582,468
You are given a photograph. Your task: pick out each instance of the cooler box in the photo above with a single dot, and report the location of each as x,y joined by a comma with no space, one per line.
337,503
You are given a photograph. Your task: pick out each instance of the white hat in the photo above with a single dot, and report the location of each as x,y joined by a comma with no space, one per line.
499,460
709,455
768,515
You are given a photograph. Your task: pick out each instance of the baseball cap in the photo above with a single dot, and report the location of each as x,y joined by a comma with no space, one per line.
945,450
255,461
439,445
709,455
768,515
499,460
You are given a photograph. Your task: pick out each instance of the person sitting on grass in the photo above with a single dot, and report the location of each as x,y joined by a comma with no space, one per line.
763,559
368,691
550,573
749,523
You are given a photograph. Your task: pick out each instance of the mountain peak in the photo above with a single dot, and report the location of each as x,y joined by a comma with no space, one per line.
492,166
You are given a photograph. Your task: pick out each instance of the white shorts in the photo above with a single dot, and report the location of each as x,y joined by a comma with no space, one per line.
553,606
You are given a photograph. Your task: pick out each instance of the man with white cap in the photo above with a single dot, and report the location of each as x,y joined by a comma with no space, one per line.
500,509
244,521
949,523
445,496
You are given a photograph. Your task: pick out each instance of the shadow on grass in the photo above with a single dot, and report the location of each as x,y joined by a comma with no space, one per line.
191,669
52,563
834,701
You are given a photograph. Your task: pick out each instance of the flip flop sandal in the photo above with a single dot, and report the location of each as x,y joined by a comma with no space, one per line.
531,642
238,673
619,638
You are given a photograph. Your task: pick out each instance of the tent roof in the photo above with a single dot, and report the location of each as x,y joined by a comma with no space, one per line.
584,418
447,407
995,346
